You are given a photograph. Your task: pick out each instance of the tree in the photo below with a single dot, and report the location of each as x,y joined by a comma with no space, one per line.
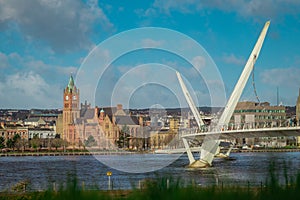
56,142
15,141
21,143
123,140
18,144
2,140
35,142
90,141
9,143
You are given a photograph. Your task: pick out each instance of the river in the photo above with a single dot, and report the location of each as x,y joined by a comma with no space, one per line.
42,172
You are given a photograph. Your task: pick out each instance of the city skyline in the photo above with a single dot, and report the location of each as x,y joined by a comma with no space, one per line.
43,42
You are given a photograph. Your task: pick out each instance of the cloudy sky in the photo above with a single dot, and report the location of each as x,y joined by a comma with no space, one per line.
43,41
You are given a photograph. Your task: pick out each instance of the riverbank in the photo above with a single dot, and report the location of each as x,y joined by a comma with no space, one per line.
75,153
265,150
90,153
173,189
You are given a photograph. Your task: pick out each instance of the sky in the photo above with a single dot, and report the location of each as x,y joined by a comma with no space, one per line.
128,51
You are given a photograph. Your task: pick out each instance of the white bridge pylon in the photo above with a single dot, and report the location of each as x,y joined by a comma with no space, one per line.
211,143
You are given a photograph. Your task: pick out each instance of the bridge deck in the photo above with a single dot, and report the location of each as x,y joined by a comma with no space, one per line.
248,133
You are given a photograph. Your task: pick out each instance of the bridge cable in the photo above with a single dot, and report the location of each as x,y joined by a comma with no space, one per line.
253,83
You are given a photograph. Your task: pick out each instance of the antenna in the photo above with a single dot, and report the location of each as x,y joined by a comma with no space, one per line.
277,96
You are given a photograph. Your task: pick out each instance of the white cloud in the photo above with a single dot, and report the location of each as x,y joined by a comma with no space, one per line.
31,83
28,83
246,8
64,24
28,90
232,59
284,77
16,62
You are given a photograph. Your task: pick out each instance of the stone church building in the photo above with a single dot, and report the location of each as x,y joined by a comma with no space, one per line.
81,121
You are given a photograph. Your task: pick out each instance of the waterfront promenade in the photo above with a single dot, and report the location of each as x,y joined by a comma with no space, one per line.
90,153
67,153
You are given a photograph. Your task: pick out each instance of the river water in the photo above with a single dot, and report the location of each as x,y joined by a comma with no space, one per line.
42,172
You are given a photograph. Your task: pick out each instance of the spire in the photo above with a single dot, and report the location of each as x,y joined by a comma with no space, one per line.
71,83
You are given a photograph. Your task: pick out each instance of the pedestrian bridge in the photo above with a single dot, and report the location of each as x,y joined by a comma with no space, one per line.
222,134
217,132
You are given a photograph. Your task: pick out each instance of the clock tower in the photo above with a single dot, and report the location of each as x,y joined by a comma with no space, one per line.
71,112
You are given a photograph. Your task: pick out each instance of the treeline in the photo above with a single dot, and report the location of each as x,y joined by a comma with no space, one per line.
42,144
34,144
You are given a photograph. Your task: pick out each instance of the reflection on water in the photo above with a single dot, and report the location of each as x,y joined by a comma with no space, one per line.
138,163
43,171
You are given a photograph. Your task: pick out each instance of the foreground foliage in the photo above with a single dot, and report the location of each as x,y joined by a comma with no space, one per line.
169,188
159,189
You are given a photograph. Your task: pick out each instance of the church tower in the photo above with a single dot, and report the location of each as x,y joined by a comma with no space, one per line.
71,112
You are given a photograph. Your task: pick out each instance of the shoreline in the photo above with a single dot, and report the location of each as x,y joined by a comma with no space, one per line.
87,153
20,154
265,150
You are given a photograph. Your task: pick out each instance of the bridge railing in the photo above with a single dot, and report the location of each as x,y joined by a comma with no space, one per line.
239,126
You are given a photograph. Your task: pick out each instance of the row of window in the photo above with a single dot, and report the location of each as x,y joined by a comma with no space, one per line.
269,117
41,134
259,111
263,117
14,133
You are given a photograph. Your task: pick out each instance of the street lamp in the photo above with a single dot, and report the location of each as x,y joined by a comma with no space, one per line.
109,173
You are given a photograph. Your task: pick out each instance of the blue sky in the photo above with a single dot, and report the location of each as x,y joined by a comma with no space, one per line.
43,42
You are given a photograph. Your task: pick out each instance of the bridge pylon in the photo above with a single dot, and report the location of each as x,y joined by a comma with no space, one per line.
210,144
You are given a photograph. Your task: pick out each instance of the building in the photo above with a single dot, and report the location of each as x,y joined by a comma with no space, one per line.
34,122
103,126
42,133
70,112
9,131
174,124
108,126
46,115
59,125
132,125
259,115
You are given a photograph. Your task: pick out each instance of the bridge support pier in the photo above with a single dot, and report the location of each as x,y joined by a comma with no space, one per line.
199,164
194,163
229,150
188,151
